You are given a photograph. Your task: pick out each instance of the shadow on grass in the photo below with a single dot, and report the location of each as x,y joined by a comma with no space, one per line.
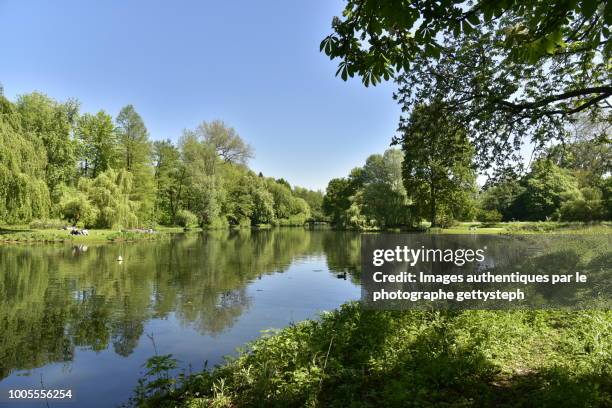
4,231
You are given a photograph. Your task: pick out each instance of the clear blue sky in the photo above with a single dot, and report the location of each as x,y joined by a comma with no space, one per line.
254,64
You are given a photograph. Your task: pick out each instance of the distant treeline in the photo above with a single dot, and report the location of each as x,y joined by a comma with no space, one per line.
96,171
568,182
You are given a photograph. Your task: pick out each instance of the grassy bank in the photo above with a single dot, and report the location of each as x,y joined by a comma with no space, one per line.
527,227
15,234
357,358
30,234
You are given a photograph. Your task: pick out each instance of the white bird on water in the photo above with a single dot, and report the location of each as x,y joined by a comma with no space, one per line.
119,258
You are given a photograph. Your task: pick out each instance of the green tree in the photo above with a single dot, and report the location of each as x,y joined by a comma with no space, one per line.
76,207
169,180
337,199
136,152
23,164
314,199
263,205
383,199
226,142
546,187
110,194
203,195
239,206
587,206
283,198
502,198
52,123
437,169
511,71
98,144
288,208
133,138
606,188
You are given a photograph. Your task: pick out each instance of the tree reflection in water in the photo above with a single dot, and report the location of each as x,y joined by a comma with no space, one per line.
54,299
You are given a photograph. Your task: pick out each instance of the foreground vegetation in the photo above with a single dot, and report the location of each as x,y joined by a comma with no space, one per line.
357,358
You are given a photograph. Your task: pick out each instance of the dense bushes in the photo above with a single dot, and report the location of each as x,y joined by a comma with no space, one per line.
102,202
47,224
587,205
372,196
549,192
186,219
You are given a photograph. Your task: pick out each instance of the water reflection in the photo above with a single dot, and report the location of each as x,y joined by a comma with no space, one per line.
56,299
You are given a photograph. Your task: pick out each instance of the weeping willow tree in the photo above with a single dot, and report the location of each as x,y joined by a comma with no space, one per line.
109,193
23,191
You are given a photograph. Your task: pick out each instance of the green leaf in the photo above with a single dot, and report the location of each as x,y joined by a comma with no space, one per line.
588,7
466,27
608,13
488,14
456,30
473,18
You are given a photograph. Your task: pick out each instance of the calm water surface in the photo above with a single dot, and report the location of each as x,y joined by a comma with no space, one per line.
75,318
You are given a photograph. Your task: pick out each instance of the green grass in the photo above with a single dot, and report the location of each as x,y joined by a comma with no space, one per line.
25,234
527,227
358,358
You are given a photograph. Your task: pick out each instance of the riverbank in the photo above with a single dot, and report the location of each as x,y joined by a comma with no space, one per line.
17,234
14,234
352,357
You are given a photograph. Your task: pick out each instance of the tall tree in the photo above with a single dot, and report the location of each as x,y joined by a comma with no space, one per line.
169,180
133,138
383,198
337,199
546,187
23,163
52,123
226,141
98,144
136,150
437,169
203,194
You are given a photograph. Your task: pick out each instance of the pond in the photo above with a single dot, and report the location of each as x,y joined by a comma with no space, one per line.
73,317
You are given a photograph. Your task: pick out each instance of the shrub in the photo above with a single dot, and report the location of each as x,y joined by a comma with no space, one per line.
488,216
218,223
186,219
77,208
588,206
47,224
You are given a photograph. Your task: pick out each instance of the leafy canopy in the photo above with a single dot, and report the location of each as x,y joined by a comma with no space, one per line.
378,39
508,70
